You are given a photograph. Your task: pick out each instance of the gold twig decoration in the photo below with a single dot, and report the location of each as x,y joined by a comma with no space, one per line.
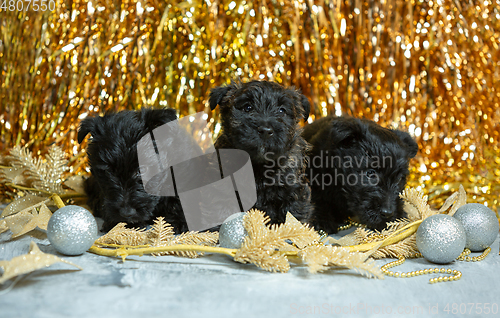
120,236
395,237
42,173
319,257
124,252
265,246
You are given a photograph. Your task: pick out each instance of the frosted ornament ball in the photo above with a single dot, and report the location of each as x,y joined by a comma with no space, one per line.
480,224
72,230
232,232
440,238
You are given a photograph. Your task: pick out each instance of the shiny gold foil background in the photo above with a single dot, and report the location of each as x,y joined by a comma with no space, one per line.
429,67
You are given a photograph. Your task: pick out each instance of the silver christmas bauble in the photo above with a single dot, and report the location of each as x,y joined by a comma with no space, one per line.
72,230
440,238
480,224
232,232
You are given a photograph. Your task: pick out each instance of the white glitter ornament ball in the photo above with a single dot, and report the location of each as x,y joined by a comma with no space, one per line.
232,232
480,224
72,230
440,238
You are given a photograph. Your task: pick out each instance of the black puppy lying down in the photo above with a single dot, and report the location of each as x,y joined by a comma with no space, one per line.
357,170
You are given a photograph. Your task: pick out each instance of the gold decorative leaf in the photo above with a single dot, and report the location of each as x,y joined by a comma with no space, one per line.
456,200
300,234
416,205
3,226
42,174
24,222
25,202
12,175
28,263
346,240
406,247
319,257
123,236
191,238
56,166
17,221
21,158
162,234
264,246
75,183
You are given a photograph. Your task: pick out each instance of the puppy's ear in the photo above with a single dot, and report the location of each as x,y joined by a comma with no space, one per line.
305,104
217,95
345,132
411,145
87,126
154,118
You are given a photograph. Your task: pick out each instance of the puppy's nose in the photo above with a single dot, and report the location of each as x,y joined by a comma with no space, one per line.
386,213
266,131
127,212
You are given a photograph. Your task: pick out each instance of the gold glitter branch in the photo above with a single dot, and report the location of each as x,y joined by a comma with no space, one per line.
158,240
265,246
43,174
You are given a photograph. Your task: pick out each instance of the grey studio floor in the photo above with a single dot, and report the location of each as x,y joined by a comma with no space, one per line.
216,286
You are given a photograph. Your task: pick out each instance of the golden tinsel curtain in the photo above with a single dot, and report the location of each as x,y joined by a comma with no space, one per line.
428,66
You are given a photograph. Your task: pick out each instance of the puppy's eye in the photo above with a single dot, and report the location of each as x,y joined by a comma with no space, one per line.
371,173
248,108
282,110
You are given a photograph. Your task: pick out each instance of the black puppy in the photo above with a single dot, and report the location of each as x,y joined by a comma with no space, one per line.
261,118
357,170
115,190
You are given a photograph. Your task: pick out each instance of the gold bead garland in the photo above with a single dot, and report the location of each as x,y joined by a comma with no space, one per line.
350,224
456,274
344,227
401,259
464,257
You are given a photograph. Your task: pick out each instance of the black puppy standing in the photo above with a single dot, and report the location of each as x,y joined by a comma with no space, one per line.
261,118
115,190
357,170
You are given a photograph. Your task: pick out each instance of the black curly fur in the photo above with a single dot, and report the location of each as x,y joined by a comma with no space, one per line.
367,166
115,190
261,118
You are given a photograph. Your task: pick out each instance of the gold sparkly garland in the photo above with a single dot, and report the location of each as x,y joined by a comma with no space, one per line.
464,257
456,274
350,223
